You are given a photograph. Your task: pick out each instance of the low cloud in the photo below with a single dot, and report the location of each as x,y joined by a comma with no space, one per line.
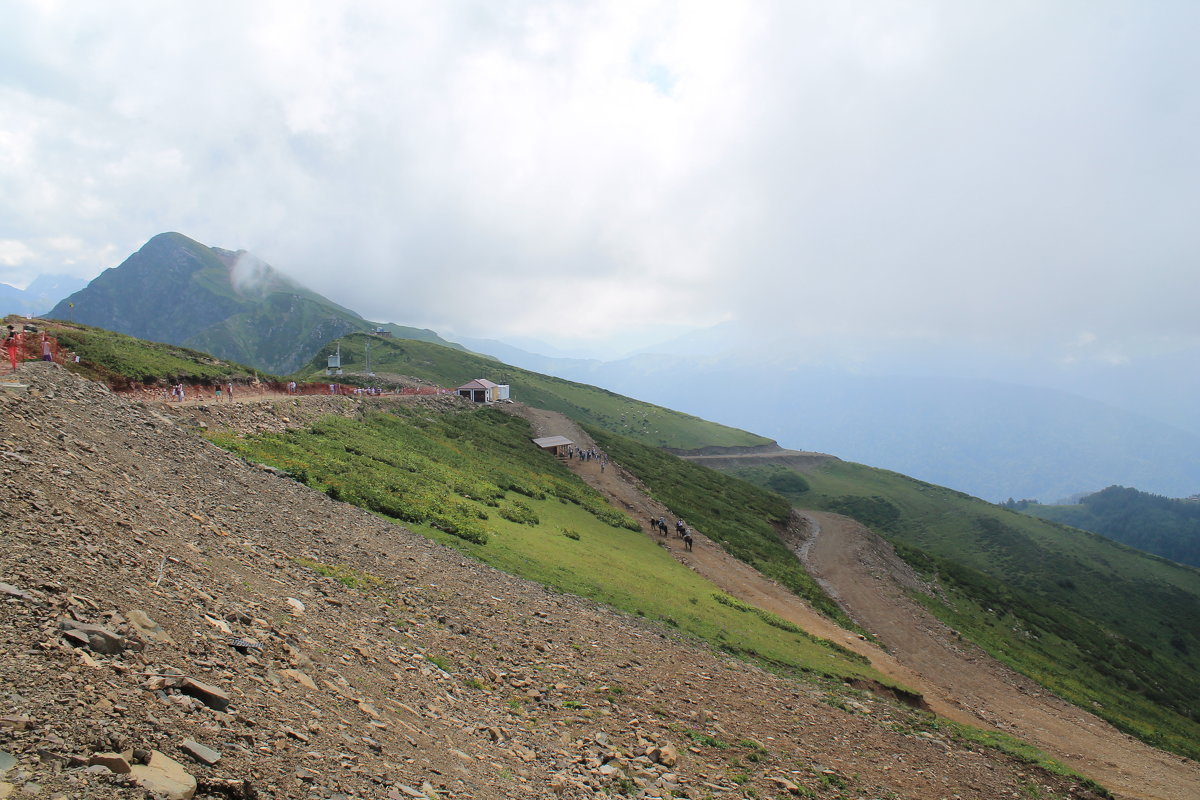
1006,174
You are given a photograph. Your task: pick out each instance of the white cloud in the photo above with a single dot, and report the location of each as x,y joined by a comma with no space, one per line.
886,171
14,253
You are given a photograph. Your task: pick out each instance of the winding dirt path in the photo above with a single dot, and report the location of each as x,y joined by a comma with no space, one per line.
957,680
863,573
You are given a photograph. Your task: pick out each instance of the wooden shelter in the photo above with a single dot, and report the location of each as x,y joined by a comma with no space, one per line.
555,444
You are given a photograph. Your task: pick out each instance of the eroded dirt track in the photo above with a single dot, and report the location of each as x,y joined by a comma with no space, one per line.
861,571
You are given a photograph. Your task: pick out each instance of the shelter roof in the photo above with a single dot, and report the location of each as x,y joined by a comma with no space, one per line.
478,383
552,441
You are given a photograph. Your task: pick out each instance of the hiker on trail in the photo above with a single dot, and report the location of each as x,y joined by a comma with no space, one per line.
217,393
13,345
229,386
46,355
687,540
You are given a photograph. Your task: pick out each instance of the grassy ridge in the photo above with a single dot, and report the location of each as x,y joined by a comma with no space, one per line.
586,404
1111,629
116,358
474,481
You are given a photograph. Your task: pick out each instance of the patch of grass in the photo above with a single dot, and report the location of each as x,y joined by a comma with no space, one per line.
346,575
445,470
441,662
705,740
121,360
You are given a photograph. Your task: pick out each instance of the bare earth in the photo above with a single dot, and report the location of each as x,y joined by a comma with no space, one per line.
958,680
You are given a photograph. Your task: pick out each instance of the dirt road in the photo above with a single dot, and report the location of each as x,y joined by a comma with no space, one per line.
862,572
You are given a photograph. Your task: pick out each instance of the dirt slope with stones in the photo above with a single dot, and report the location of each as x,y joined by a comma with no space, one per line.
162,634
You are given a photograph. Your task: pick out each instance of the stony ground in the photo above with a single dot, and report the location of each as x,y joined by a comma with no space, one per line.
166,631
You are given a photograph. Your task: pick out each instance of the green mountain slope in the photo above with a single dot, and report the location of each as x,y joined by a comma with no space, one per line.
586,404
1160,525
471,479
121,360
1110,628
178,291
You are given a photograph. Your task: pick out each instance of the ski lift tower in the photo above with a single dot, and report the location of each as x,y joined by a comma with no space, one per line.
334,366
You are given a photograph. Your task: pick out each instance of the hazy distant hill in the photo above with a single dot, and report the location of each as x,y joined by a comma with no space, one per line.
41,294
1160,525
991,439
227,303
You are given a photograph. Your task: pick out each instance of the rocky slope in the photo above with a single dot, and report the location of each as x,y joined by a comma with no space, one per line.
175,622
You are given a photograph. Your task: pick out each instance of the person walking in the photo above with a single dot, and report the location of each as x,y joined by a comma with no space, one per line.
13,345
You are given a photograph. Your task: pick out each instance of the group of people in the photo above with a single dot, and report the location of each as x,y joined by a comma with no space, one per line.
14,343
590,454
178,392
681,530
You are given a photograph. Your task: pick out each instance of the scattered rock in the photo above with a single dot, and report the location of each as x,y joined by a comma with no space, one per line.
119,763
206,693
164,775
300,678
9,590
148,628
96,637
203,754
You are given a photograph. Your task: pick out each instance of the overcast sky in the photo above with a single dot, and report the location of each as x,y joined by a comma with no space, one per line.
1019,174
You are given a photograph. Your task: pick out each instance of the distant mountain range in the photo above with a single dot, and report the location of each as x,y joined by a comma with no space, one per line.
41,294
991,439
228,303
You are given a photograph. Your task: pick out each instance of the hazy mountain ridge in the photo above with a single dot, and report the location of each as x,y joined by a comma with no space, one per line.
42,293
229,303
1161,525
988,438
